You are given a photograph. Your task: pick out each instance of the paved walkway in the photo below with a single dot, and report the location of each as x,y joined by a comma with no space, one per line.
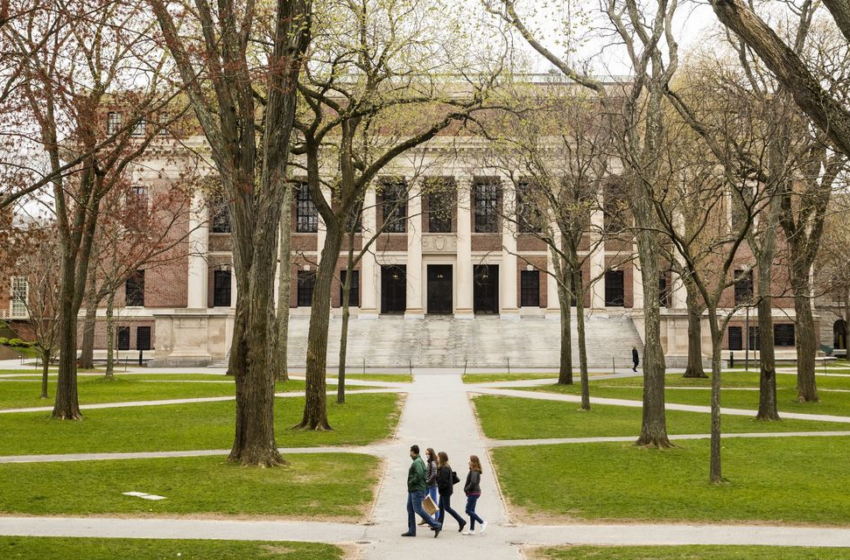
437,414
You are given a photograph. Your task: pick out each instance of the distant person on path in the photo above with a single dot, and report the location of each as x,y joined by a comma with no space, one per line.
635,358
417,486
446,479
431,457
473,492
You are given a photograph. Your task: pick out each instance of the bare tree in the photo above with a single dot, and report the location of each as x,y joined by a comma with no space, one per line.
214,50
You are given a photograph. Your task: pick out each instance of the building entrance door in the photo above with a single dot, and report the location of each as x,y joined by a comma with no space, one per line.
485,297
393,289
440,286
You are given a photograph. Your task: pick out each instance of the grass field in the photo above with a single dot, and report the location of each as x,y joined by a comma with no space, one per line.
517,418
495,377
688,553
785,480
56,548
338,486
362,420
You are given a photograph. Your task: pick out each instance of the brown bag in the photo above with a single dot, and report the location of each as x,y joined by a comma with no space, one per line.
429,506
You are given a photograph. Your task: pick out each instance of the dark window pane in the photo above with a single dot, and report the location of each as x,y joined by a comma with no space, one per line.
221,216
123,335
530,288
306,284
487,207
743,287
736,338
354,293
134,290
394,206
221,288
143,338
783,335
664,289
113,122
614,289
529,217
441,201
393,289
306,213
140,128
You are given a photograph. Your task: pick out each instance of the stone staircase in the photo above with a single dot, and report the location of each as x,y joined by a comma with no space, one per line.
485,341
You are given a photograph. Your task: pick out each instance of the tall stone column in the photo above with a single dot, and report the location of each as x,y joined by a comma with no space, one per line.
597,256
368,266
637,282
464,250
414,254
199,231
553,305
508,274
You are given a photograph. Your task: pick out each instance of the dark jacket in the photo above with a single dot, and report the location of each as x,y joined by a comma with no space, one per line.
473,483
445,483
635,357
432,473
416,476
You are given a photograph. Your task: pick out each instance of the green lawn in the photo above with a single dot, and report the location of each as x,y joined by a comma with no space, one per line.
93,390
56,548
336,486
833,403
364,419
495,377
793,480
690,553
516,418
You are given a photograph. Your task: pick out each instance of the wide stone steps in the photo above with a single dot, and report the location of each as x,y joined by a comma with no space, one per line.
485,341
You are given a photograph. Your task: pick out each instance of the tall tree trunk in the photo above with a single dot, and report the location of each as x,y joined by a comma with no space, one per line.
694,369
565,371
715,467
45,364
767,357
653,431
315,408
92,301
110,336
67,405
582,347
346,314
284,289
805,336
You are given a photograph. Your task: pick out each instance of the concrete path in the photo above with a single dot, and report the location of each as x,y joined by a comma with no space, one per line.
638,404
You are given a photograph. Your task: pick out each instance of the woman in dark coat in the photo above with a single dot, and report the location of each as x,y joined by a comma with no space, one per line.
445,485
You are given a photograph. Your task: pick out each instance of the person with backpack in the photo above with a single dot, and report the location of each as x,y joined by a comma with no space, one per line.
417,487
446,479
472,488
431,465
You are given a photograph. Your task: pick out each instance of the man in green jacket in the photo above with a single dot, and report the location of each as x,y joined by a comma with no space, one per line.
417,487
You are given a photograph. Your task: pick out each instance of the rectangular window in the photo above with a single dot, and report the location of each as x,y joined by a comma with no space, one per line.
164,118
614,289
123,335
529,217
306,213
530,288
354,294
221,217
134,289
139,129
743,287
113,122
783,335
306,284
663,290
221,288
143,338
138,199
394,206
736,338
755,339
487,206
20,294
441,203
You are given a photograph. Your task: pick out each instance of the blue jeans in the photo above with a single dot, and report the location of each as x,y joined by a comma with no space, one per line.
471,501
432,491
414,508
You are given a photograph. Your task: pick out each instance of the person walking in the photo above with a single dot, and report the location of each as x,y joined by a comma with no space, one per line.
431,458
635,358
417,486
446,479
473,493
